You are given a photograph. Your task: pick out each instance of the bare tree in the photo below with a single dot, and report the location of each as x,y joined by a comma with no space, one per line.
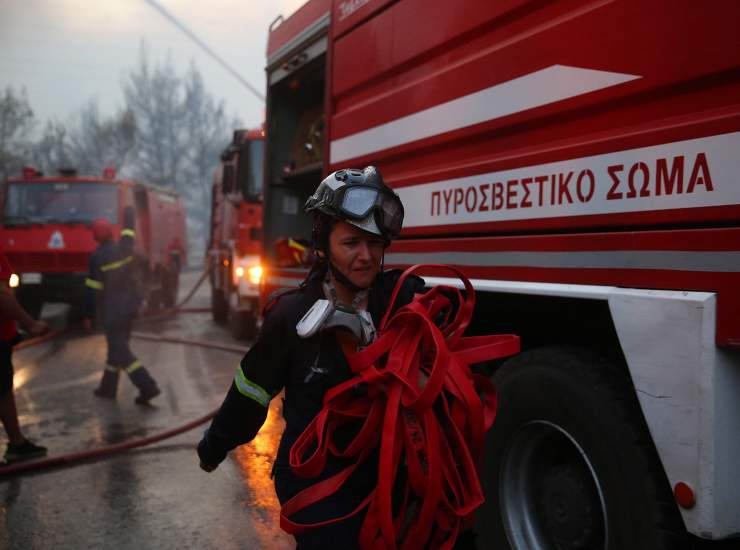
16,124
101,142
180,131
208,129
154,96
52,150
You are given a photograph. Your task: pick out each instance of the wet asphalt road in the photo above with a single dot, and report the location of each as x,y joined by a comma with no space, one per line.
153,496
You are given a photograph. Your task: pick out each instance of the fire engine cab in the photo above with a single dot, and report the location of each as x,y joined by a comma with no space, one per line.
46,236
579,161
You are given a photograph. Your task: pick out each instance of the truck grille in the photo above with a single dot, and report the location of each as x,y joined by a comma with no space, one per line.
48,261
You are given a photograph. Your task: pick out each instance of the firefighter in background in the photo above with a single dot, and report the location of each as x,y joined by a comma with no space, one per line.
19,448
112,279
355,217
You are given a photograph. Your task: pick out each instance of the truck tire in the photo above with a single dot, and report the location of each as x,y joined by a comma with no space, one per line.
243,324
219,306
569,462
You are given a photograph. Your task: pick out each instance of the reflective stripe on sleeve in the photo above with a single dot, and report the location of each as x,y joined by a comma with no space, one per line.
249,389
128,233
116,265
92,283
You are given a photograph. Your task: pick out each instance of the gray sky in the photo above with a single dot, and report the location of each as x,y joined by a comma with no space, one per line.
66,52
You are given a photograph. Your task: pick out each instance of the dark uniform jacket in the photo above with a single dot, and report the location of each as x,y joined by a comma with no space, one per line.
304,368
111,277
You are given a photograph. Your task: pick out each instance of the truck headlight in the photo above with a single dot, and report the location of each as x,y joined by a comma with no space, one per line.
14,280
254,274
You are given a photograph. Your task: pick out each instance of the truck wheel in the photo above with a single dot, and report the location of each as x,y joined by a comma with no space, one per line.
243,324
219,306
569,463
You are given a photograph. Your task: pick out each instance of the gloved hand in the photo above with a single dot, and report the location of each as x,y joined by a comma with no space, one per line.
208,460
207,467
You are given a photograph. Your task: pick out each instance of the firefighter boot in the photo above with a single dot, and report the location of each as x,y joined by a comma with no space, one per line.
148,389
108,383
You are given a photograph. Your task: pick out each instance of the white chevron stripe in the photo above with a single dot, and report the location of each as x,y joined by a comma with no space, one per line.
539,88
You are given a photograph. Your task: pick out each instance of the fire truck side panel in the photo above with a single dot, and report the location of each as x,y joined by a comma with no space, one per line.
529,118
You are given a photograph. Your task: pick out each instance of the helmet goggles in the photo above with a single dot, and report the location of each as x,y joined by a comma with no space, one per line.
356,201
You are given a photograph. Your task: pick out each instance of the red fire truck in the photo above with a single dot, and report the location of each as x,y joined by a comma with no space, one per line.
46,236
235,240
579,160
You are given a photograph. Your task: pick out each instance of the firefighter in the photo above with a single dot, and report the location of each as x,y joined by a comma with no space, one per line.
19,447
111,277
300,347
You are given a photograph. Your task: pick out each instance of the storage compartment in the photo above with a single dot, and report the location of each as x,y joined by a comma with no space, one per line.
295,157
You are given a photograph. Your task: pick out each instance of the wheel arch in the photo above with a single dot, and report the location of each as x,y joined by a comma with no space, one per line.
663,342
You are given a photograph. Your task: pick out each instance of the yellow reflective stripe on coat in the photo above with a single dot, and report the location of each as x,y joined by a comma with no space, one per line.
116,265
133,366
249,389
128,233
92,283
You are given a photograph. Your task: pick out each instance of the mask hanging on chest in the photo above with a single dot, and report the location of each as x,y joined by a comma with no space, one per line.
330,314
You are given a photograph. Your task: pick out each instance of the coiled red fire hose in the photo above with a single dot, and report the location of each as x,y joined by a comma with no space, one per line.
425,413
76,457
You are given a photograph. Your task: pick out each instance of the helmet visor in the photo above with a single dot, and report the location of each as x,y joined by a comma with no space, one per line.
389,214
357,202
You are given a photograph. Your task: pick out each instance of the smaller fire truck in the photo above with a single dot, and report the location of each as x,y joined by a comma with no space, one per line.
46,236
235,240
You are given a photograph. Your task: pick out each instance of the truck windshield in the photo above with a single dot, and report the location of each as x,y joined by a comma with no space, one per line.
254,182
60,202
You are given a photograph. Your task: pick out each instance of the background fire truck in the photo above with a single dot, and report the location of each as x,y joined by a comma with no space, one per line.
235,241
579,160
46,236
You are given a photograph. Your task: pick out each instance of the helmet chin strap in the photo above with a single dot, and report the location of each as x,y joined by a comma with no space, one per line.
341,278
344,280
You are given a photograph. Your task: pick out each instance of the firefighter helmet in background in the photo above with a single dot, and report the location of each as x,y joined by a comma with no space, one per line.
101,230
360,198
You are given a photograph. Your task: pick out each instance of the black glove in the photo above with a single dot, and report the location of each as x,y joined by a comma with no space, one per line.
209,460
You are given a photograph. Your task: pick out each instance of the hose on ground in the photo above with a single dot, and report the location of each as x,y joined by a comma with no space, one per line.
72,458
